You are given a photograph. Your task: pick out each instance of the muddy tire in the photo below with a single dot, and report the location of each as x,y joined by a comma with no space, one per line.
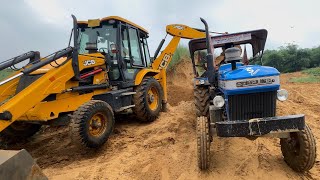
203,142
148,100
299,151
91,124
19,131
202,101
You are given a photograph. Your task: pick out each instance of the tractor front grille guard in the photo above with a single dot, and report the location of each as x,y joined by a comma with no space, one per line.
253,105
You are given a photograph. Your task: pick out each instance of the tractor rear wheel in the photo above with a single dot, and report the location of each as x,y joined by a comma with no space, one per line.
148,100
18,131
203,142
299,150
92,123
202,101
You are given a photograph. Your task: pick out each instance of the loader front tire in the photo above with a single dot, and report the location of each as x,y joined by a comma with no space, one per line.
299,151
91,124
148,100
203,142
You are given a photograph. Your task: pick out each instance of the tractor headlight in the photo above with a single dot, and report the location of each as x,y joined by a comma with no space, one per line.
218,101
282,95
201,81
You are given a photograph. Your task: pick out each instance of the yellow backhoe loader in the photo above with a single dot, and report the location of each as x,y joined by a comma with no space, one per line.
108,70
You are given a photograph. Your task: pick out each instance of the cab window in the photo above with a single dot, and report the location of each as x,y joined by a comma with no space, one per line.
145,49
135,51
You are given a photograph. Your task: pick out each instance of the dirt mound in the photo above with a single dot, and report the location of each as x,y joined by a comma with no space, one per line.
166,148
180,84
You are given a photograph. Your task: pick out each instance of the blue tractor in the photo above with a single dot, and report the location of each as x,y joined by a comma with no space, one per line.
234,99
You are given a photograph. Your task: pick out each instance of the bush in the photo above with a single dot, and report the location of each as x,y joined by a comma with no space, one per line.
312,71
313,76
291,58
181,53
5,73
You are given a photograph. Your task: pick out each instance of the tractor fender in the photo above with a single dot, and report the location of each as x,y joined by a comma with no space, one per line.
144,72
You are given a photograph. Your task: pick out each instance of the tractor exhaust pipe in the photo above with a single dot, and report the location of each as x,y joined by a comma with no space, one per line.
209,57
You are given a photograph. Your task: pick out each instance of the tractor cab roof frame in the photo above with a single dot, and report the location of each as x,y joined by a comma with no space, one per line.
257,39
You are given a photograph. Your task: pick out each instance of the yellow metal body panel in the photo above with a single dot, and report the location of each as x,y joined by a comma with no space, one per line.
141,74
50,110
52,65
118,19
93,22
184,31
9,89
161,63
28,103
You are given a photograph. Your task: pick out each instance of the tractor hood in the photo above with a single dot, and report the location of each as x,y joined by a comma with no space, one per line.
248,79
245,72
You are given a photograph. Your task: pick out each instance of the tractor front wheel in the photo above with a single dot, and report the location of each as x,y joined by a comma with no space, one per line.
148,100
202,101
299,150
92,123
203,142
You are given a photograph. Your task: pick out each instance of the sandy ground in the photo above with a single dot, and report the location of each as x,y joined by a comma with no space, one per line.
166,148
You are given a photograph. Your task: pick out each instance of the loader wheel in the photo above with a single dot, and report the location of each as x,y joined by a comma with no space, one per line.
148,100
299,151
19,131
203,142
202,101
92,123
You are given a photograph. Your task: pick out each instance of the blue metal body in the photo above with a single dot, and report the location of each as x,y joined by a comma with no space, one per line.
246,73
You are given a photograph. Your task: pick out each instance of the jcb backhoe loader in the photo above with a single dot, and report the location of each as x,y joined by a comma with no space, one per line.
107,71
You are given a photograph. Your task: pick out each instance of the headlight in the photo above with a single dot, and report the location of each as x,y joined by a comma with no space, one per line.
218,101
201,81
282,95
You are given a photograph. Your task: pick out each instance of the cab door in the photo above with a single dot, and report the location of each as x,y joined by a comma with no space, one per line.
132,54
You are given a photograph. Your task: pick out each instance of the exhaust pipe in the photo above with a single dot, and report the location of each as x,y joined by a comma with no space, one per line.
209,57
75,52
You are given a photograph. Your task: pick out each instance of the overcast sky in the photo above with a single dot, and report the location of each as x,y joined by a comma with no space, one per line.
45,25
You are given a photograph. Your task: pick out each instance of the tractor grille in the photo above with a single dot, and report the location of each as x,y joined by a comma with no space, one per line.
255,105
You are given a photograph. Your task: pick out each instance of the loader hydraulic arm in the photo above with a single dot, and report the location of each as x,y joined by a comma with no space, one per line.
161,62
178,31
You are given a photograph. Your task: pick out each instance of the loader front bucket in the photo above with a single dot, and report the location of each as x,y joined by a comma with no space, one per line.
19,165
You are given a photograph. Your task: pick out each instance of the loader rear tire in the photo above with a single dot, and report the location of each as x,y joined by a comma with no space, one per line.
19,131
148,100
202,101
299,151
203,142
91,124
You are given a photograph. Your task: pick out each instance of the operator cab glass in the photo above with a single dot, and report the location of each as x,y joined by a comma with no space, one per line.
134,51
124,45
102,36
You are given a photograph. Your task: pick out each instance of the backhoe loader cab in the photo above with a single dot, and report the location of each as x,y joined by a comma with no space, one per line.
122,42
107,71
